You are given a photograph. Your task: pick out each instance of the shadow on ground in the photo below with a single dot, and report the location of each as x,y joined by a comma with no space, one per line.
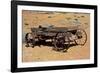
49,44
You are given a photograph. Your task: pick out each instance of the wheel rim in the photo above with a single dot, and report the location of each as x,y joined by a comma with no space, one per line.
81,37
33,35
59,41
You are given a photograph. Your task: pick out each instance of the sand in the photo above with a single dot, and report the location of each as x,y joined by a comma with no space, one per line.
58,19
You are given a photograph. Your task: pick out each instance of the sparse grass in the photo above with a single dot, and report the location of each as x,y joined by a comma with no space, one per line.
74,15
76,19
49,16
69,18
26,24
86,23
82,16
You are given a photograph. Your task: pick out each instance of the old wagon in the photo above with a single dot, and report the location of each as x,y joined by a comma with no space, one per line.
58,36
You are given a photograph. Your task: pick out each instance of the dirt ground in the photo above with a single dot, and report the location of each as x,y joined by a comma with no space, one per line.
58,19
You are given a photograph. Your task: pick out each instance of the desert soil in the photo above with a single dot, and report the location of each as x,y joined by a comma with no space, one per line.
58,19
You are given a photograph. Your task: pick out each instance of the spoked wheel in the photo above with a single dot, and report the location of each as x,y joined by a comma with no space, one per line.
81,37
59,41
30,39
33,39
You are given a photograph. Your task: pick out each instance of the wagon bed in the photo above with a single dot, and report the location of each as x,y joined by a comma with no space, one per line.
59,35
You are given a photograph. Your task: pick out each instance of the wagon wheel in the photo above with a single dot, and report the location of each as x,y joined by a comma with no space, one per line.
33,39
81,37
59,41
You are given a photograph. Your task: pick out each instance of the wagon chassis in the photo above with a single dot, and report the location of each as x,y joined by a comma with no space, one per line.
59,38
